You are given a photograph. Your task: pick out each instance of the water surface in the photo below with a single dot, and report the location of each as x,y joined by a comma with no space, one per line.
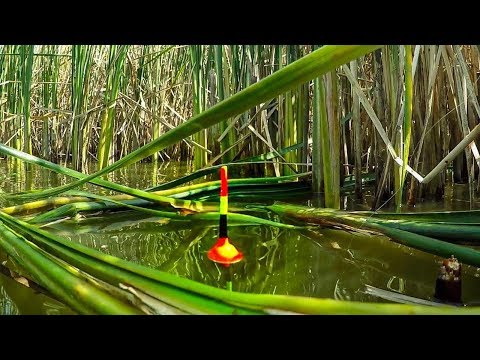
322,263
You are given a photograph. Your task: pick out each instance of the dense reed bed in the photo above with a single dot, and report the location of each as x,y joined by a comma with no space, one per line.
81,103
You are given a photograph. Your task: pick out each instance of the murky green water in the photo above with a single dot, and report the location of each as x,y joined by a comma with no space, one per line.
321,263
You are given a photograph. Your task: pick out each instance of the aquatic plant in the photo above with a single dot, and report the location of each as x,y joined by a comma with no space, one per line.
90,281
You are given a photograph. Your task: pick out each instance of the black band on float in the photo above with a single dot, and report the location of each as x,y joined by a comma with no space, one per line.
223,226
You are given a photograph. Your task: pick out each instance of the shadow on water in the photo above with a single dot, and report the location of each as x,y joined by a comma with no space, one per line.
321,263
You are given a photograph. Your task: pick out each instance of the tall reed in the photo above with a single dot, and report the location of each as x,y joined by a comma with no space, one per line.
115,72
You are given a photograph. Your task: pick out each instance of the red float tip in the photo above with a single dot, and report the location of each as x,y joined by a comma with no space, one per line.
223,181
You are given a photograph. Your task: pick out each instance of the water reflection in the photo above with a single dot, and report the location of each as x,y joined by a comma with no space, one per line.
322,263
17,299
7,306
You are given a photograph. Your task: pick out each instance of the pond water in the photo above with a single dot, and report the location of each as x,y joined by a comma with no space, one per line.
322,263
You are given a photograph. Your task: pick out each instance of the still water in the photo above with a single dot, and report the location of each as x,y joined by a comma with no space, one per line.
322,263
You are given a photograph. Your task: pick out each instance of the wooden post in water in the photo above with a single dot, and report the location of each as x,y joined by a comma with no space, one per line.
448,287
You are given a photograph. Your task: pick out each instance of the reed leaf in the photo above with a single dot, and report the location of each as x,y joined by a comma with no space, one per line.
424,243
407,122
75,292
